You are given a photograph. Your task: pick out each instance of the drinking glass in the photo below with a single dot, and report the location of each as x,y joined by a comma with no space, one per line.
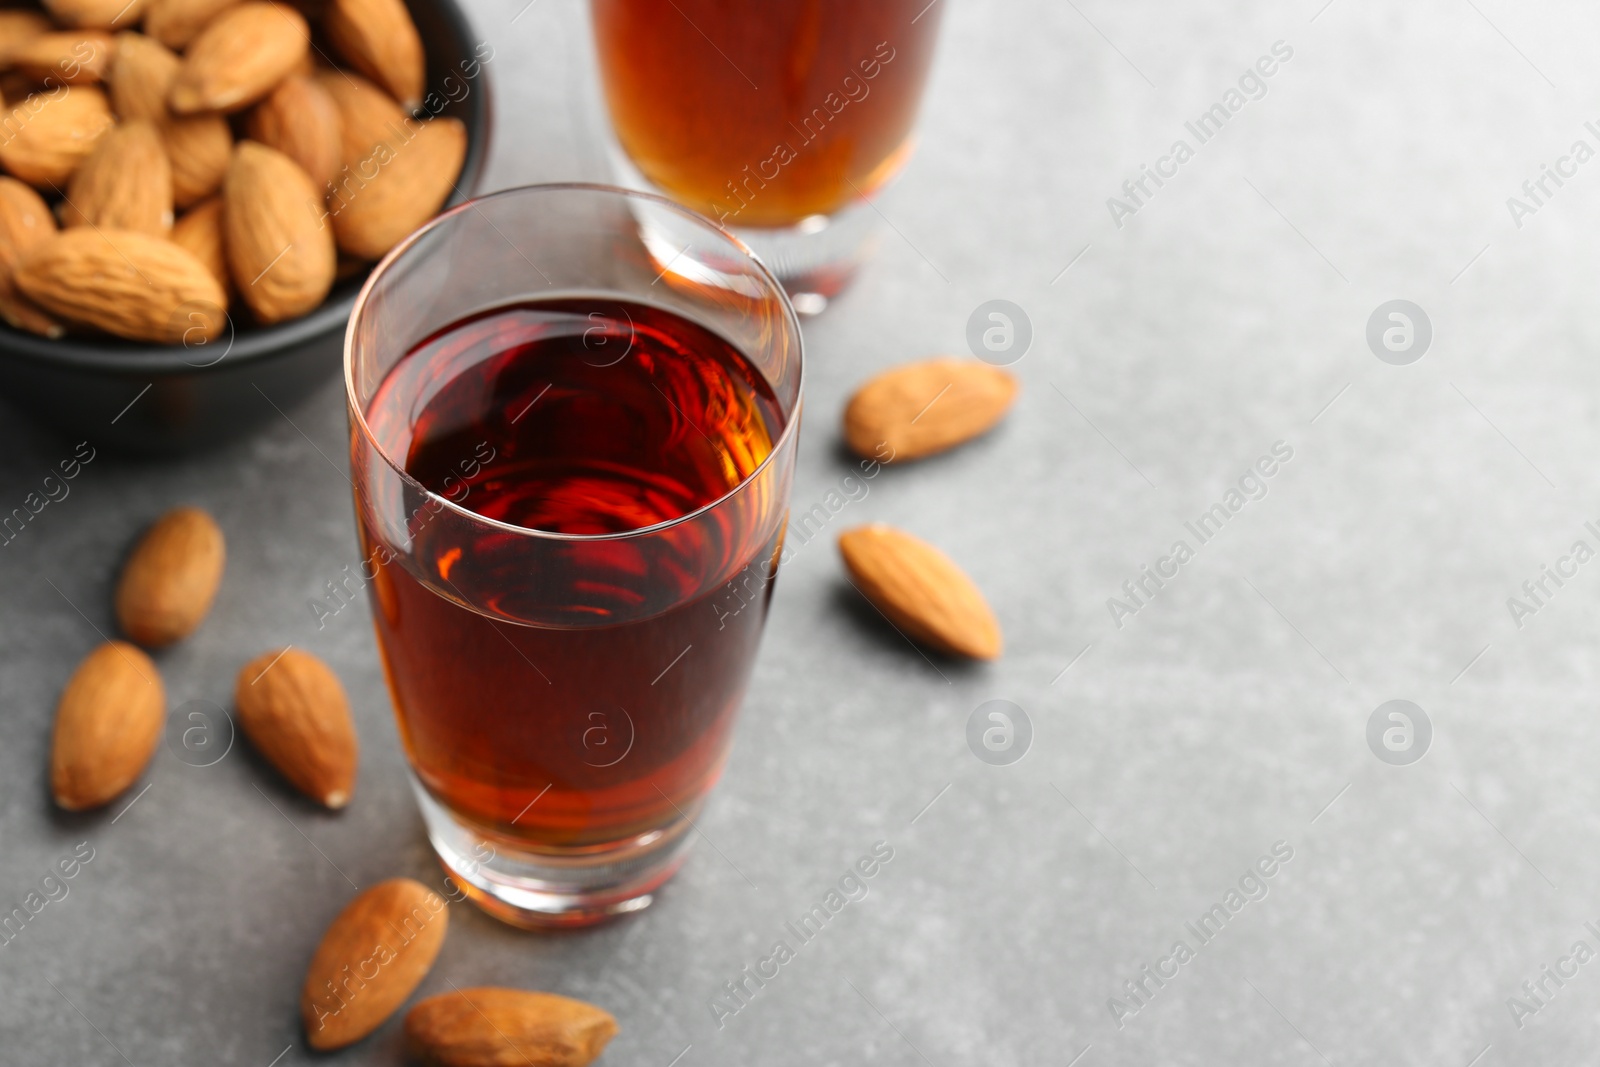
779,119
565,700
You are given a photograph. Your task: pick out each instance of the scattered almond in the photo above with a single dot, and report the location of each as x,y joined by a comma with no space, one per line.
367,115
921,591
239,57
60,57
96,14
177,22
402,185
25,222
51,133
380,40
171,577
107,726
130,284
200,231
140,78
125,183
486,1026
371,959
923,408
294,711
200,147
280,252
300,119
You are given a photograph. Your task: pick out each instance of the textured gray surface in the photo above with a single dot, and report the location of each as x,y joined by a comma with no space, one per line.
1228,313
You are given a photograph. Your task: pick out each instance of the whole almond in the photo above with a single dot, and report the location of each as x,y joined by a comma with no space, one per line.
239,57
76,57
923,408
50,133
125,183
400,186
96,14
200,231
300,119
280,251
371,959
126,283
487,1026
379,39
107,726
367,115
920,591
200,147
171,577
295,713
25,222
177,22
141,76
17,28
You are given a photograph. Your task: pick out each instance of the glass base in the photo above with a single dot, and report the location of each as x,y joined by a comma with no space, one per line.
554,889
816,259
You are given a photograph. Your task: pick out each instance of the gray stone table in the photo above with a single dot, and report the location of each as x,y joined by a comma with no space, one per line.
1178,739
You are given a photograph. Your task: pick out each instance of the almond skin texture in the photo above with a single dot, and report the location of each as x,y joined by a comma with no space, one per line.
923,408
238,58
54,131
367,115
141,76
489,1026
96,14
17,28
920,591
25,222
200,231
392,932
126,283
200,147
380,40
125,183
73,58
177,22
399,187
170,578
107,726
294,711
280,252
300,119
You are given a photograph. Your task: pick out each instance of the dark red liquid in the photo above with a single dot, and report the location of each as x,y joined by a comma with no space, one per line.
588,691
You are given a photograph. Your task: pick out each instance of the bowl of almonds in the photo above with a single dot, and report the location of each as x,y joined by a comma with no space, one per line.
193,191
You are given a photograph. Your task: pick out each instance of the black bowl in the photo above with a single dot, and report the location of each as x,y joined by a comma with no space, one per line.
151,399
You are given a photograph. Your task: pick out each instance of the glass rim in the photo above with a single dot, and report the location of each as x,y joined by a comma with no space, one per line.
791,424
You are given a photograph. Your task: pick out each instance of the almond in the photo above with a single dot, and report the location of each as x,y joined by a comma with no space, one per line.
17,28
380,40
200,231
921,591
126,283
399,187
141,75
125,183
107,726
300,119
50,133
488,1026
200,147
72,58
294,711
280,251
96,14
239,57
923,408
25,222
171,577
371,959
367,115
177,22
